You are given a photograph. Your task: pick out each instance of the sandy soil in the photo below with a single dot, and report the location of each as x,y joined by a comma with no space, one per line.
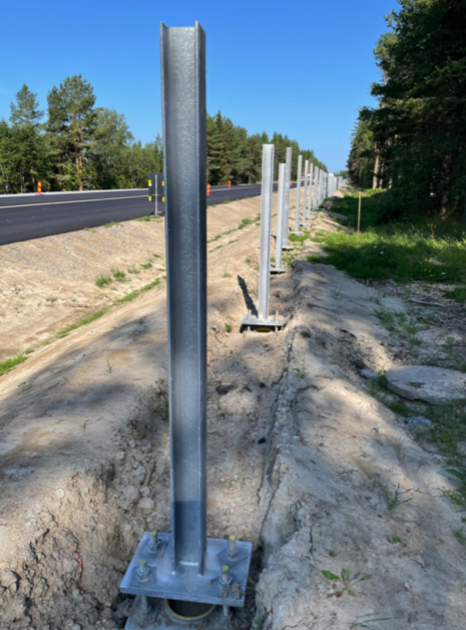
50,283
298,453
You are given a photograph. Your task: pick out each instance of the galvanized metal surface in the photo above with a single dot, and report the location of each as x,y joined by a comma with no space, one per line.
306,169
286,206
310,191
187,583
254,321
298,194
277,268
266,229
183,66
316,189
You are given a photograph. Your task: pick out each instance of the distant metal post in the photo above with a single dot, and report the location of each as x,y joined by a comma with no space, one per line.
316,189
306,168
311,169
311,204
182,565
286,208
298,195
262,318
279,231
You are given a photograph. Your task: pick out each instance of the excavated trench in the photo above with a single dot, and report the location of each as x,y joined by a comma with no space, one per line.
298,451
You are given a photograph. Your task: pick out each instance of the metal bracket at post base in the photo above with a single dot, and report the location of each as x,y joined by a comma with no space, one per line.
186,584
277,270
253,321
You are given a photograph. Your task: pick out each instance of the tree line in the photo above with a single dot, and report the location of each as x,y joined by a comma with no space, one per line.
414,141
82,147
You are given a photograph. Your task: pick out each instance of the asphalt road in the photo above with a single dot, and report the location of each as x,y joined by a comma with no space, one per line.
25,217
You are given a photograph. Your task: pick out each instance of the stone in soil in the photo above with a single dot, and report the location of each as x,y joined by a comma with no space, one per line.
433,385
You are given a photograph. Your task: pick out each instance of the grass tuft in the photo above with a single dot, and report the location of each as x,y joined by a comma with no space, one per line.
103,280
8,364
82,322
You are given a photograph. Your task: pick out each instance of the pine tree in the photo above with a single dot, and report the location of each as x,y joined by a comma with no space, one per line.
26,111
71,123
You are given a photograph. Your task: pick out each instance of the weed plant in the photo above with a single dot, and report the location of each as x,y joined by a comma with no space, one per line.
103,280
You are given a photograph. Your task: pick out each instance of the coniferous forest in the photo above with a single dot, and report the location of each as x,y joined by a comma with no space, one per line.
414,141
75,145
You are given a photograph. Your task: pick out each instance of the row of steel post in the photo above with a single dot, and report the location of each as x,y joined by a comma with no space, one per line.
317,186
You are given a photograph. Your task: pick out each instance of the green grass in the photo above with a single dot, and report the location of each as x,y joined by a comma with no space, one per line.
82,322
135,294
111,224
156,255
425,250
299,238
148,218
244,223
404,326
118,275
458,294
133,269
103,280
460,535
8,364
147,265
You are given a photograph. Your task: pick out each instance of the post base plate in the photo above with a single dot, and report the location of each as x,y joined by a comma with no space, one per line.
186,584
253,321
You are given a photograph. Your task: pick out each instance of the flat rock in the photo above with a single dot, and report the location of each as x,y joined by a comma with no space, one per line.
433,385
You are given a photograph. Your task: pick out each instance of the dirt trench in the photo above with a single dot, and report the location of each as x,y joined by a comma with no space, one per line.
298,455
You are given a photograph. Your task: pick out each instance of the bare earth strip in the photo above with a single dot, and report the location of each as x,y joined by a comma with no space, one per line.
298,452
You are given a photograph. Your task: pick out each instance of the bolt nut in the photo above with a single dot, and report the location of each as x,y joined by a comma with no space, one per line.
226,579
143,571
154,542
232,552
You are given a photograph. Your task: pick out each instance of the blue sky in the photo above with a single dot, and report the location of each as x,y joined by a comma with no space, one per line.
302,68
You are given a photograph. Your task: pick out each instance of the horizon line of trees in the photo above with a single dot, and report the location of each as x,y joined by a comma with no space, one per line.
414,141
82,147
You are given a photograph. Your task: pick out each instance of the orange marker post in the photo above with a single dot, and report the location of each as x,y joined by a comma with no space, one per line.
229,184
208,190
39,188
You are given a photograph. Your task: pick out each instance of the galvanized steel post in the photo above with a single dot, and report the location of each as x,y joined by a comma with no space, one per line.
311,169
180,565
279,231
286,208
316,189
184,132
306,168
298,195
262,318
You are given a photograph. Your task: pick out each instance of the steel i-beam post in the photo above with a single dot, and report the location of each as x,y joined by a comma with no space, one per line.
311,169
316,189
281,206
183,565
298,195
286,207
262,318
306,168
309,204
